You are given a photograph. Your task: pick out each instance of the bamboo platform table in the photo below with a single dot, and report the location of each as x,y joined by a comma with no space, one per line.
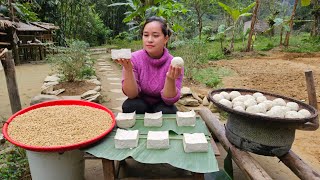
195,163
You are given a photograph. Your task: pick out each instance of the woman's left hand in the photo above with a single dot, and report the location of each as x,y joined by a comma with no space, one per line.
174,72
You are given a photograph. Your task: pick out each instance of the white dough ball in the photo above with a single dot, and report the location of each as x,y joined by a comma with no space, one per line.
234,94
262,107
305,113
239,108
293,106
248,96
226,103
261,114
253,109
279,102
261,99
240,98
257,94
225,95
217,97
238,103
293,114
250,102
281,108
177,62
269,104
276,112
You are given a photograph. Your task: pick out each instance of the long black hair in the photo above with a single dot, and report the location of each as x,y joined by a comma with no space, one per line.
164,26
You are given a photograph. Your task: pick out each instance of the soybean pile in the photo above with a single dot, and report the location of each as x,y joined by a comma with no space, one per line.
59,125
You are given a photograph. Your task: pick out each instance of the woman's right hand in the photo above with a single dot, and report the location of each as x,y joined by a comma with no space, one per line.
126,63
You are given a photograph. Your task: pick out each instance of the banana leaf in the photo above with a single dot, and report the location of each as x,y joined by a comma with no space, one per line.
204,162
169,123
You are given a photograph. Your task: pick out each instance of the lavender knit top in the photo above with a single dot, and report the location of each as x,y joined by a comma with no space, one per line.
150,75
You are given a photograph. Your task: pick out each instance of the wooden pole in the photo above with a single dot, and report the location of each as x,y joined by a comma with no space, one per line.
9,70
14,39
312,98
298,166
243,159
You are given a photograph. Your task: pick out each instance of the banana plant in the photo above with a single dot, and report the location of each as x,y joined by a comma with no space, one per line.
235,14
139,10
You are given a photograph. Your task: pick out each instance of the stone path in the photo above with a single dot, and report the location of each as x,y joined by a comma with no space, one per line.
109,74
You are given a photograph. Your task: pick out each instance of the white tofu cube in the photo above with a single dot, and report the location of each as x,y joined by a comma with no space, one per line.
125,139
126,120
195,142
153,119
115,53
158,140
186,118
125,53
121,53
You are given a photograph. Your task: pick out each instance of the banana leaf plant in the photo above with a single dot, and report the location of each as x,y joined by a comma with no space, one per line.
235,14
139,10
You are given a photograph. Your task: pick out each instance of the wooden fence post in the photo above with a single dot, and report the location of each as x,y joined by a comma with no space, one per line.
10,73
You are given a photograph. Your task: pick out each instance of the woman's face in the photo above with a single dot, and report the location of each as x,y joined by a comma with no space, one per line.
154,39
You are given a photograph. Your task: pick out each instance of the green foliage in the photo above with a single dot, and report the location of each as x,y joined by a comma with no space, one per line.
211,77
14,164
216,55
139,10
176,44
236,13
73,63
25,11
194,54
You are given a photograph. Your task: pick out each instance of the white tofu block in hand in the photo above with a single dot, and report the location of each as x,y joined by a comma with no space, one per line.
153,119
186,118
126,120
195,142
158,140
125,139
121,53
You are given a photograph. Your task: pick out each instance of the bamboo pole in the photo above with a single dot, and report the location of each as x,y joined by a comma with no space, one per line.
9,70
298,166
243,159
312,97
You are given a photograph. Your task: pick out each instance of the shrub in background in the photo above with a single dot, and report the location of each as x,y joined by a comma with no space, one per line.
73,62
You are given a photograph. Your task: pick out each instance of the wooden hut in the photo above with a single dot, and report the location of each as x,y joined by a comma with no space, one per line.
46,36
5,35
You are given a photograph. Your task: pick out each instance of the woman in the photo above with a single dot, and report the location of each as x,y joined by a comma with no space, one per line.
150,83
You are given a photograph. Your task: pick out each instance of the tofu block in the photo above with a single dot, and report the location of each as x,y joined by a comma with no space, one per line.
125,139
121,53
158,140
153,119
126,120
195,142
186,118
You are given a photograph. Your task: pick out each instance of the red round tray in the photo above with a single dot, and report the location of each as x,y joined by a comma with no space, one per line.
58,148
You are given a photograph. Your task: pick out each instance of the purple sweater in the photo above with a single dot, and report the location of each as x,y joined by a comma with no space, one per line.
150,75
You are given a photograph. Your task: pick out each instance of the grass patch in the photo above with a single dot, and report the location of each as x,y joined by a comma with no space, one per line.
13,163
211,77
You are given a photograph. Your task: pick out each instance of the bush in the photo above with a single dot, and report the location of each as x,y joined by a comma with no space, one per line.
14,165
74,62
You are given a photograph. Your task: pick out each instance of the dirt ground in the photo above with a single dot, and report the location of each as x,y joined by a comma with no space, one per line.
280,73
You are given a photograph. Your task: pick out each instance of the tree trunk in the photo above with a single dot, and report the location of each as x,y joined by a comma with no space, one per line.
315,31
281,33
286,41
198,9
232,40
253,21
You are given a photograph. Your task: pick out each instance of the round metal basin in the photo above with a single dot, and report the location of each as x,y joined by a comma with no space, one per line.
262,135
